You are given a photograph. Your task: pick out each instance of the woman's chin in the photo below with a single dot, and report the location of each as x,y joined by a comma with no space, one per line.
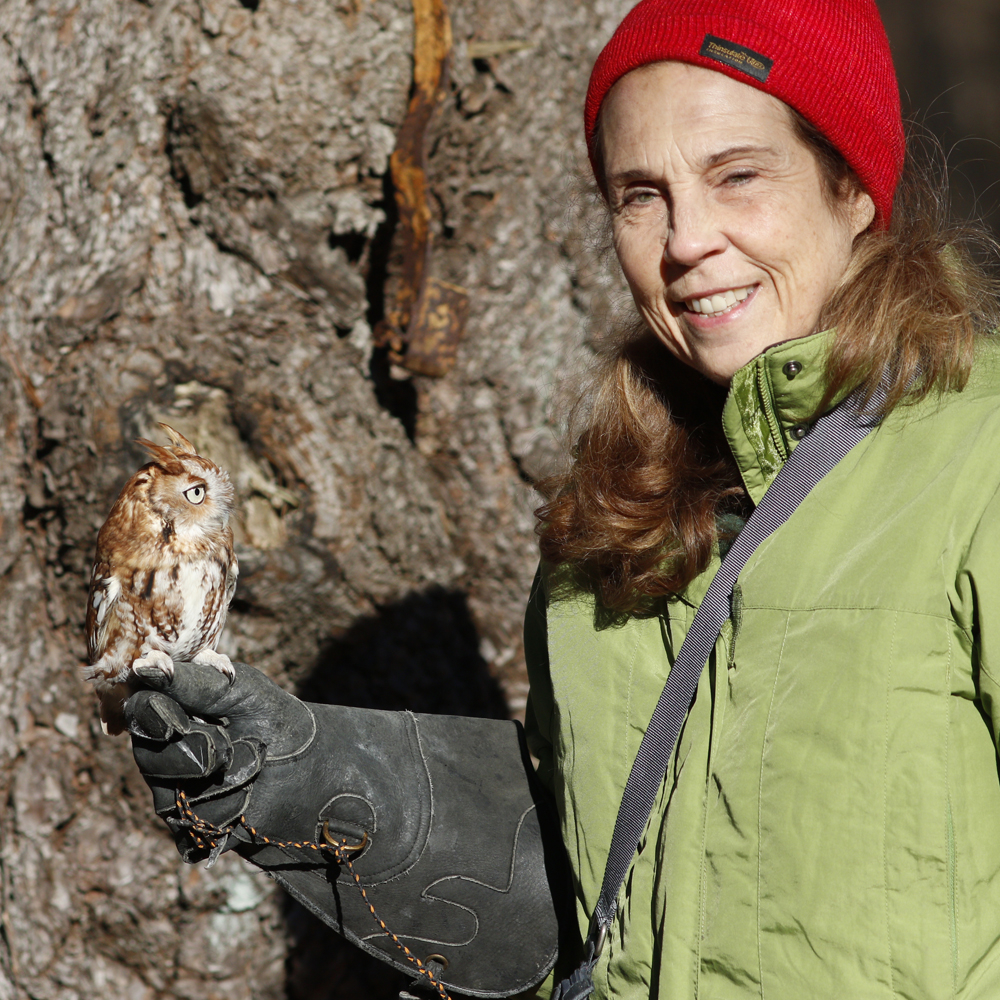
721,361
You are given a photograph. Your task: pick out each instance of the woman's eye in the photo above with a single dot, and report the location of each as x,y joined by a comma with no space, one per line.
641,196
195,494
740,177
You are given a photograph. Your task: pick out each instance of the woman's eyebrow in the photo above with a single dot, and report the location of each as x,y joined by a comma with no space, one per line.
732,151
624,176
713,160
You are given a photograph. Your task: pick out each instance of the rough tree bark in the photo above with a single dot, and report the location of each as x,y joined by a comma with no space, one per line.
197,227
196,224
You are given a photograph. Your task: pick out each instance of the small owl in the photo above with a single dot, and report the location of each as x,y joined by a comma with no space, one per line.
164,575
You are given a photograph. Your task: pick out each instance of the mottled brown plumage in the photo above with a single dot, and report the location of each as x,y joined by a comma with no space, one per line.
164,574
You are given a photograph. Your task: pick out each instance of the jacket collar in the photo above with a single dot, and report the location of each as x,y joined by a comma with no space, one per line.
771,403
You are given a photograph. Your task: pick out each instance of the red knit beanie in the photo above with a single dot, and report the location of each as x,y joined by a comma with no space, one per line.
828,59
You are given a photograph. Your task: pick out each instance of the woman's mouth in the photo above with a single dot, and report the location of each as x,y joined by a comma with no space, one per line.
719,303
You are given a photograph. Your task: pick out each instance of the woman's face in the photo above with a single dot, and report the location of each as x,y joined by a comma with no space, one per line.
721,218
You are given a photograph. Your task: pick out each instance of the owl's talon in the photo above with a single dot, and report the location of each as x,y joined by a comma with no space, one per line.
221,662
155,663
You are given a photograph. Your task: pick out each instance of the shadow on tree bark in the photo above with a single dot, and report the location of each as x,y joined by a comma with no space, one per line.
420,654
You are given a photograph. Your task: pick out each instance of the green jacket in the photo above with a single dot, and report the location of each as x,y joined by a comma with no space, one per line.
830,824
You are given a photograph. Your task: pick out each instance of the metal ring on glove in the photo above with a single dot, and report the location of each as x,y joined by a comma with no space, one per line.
350,848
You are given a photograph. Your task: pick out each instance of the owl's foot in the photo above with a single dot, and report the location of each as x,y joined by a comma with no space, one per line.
154,663
221,662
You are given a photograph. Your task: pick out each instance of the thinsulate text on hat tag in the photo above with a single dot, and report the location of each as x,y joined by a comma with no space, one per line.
738,56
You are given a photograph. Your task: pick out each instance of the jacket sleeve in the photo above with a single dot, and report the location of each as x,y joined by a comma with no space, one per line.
538,714
976,605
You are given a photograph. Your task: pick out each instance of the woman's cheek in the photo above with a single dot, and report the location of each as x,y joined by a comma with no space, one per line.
640,253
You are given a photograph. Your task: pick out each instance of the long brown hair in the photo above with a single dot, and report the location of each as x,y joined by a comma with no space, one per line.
639,512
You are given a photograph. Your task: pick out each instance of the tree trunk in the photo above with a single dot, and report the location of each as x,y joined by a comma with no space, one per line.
199,225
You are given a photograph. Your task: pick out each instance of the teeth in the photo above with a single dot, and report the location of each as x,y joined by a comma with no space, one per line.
716,304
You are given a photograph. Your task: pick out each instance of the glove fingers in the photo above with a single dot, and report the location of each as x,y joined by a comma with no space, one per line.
202,751
154,716
202,820
251,705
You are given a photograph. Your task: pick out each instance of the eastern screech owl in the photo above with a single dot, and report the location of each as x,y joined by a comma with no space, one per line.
164,575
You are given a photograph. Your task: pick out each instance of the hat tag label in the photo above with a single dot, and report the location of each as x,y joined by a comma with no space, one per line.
738,56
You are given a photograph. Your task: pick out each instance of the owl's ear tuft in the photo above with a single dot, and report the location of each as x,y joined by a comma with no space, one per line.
181,444
163,457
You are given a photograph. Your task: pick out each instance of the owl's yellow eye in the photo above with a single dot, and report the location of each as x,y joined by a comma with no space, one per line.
195,494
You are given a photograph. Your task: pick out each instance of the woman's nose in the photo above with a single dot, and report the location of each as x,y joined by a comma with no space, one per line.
693,231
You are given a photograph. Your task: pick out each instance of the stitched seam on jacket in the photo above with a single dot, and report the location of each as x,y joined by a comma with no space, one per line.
628,700
760,797
811,609
766,400
950,619
718,706
623,892
885,803
952,853
703,894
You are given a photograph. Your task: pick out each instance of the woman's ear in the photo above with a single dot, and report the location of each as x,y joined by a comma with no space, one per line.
862,211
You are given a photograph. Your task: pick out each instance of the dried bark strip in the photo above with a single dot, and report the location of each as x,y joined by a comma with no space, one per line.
423,329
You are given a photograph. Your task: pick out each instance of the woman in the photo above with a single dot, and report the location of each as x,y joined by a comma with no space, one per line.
828,823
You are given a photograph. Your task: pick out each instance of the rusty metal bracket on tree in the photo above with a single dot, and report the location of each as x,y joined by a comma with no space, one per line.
427,320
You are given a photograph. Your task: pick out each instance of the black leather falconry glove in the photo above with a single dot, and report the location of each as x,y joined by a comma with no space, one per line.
444,825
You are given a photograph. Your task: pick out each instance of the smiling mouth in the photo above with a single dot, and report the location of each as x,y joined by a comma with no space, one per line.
720,303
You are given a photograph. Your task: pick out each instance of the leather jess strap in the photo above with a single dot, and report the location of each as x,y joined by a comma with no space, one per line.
831,438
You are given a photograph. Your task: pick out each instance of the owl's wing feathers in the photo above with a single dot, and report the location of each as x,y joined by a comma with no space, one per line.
232,571
105,592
